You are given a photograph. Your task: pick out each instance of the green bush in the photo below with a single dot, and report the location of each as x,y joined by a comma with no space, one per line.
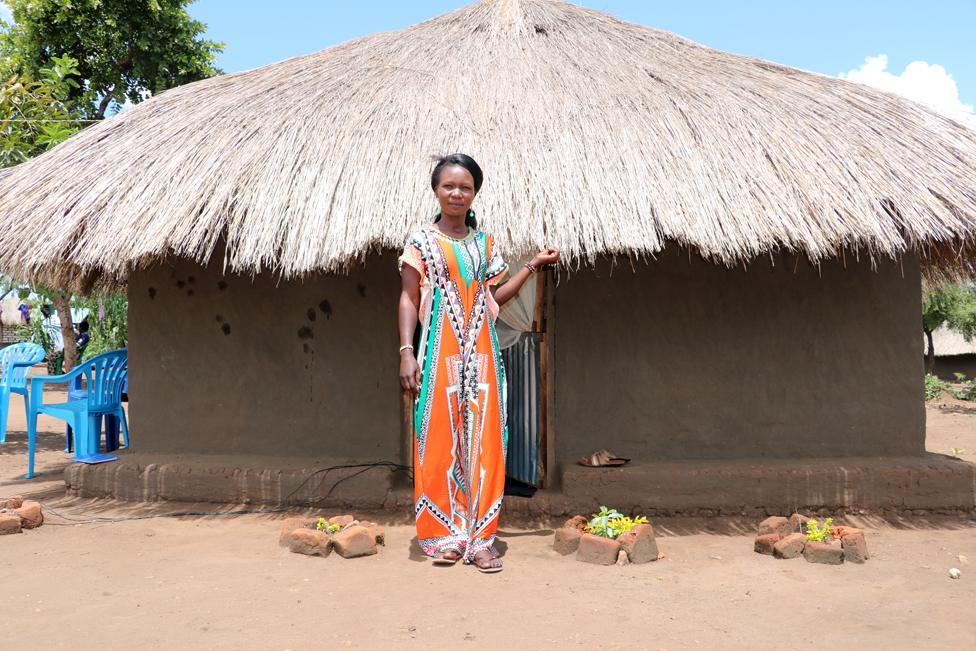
817,532
965,391
933,387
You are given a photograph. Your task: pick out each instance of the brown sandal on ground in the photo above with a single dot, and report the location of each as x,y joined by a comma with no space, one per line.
444,559
601,459
486,562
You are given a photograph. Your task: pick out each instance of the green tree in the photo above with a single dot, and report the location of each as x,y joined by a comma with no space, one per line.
62,61
36,115
952,305
126,49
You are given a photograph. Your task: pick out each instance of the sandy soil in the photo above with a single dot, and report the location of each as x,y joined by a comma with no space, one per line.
216,582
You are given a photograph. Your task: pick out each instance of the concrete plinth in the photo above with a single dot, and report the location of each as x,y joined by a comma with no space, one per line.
239,479
931,484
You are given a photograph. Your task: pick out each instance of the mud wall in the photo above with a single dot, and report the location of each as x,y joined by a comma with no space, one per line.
678,359
266,367
681,359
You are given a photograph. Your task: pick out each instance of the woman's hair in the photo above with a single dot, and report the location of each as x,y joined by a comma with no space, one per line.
468,163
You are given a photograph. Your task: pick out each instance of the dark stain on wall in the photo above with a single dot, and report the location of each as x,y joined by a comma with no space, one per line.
220,319
152,293
326,308
180,284
305,333
189,292
225,328
361,289
310,314
221,285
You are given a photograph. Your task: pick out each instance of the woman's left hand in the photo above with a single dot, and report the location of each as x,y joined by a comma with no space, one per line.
546,258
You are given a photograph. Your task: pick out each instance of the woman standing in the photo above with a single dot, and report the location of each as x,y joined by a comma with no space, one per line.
451,276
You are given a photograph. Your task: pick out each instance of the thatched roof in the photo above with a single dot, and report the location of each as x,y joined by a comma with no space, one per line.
949,342
597,136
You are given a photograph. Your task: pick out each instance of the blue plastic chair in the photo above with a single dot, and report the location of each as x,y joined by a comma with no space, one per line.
15,362
105,375
77,392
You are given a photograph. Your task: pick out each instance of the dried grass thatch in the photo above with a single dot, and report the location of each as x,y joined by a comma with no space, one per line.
597,136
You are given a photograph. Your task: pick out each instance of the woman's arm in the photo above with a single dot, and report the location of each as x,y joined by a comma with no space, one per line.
407,318
507,290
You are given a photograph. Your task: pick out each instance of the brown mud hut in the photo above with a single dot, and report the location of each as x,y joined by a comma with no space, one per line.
739,311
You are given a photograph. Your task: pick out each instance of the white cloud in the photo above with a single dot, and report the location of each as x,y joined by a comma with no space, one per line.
929,84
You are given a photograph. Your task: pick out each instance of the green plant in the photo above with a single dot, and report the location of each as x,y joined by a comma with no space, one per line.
960,377
37,331
957,451
323,525
966,390
610,523
817,532
933,387
108,322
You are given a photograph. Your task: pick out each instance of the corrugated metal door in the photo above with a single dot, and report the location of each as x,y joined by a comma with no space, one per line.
522,372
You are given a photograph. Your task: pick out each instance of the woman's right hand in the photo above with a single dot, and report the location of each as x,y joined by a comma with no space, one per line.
409,372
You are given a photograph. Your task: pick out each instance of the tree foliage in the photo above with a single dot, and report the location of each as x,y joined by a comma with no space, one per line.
36,115
952,305
126,49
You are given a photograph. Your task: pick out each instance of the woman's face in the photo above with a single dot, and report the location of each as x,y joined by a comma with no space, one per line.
455,191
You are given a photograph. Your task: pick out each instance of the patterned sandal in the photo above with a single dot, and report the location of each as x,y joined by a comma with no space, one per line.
486,562
601,459
443,559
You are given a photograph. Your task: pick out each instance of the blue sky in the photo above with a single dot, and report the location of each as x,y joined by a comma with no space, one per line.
828,36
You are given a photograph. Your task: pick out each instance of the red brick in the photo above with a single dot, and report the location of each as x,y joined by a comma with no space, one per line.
797,520
854,545
9,523
290,525
376,531
566,541
597,549
639,543
353,542
818,552
12,503
776,524
764,543
576,522
790,547
30,514
309,542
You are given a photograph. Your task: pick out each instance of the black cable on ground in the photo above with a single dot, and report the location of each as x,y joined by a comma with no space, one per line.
363,467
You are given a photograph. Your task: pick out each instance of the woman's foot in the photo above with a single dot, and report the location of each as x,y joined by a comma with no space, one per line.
487,562
448,557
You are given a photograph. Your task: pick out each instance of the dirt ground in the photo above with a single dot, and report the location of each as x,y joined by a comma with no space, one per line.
221,582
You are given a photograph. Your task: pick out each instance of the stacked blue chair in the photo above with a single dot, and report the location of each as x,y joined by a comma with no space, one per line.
105,376
15,362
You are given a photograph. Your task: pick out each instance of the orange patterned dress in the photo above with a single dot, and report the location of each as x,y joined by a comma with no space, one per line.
459,416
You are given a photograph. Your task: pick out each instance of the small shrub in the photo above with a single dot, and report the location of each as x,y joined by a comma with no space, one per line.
610,523
960,377
323,525
933,387
965,391
817,532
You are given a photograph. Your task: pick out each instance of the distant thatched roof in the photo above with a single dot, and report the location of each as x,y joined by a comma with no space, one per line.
597,136
949,342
